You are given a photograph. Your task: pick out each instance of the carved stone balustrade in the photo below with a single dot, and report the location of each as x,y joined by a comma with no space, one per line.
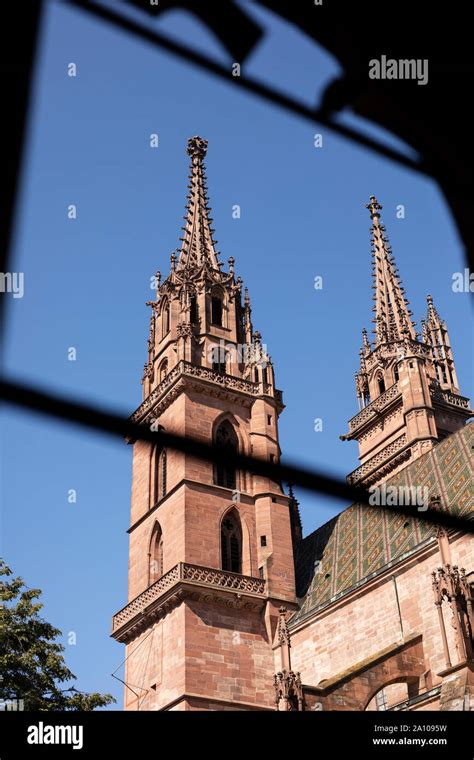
386,399
174,383
449,398
186,581
376,463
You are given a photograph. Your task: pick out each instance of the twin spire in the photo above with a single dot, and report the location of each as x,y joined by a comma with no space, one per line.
197,243
394,328
393,322
199,297
392,316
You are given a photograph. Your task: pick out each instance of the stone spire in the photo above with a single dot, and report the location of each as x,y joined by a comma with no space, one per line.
199,315
435,334
406,384
392,315
197,243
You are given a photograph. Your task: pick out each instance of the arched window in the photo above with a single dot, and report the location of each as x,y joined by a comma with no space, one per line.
194,310
391,695
165,318
162,473
381,383
155,555
163,370
225,472
216,308
231,543
153,477
157,468
395,373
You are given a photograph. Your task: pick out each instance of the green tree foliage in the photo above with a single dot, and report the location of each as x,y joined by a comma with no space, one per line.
32,666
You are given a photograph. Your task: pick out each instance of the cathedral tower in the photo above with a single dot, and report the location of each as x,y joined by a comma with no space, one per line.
211,548
406,386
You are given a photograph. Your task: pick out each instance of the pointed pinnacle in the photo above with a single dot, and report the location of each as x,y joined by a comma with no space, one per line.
197,147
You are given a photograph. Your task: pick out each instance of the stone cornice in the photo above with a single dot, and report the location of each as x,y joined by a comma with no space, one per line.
468,664
382,462
244,497
391,397
218,700
202,379
187,581
269,437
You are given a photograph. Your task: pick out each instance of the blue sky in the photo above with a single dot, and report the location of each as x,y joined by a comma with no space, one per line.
86,280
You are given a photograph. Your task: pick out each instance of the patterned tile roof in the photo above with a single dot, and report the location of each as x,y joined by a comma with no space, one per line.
361,541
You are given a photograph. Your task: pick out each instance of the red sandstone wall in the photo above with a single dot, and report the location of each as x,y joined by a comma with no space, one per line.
170,516
228,656
215,656
368,621
190,517
156,658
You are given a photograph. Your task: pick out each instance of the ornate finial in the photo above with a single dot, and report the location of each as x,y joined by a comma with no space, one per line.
290,491
365,340
373,206
197,147
246,297
173,261
283,632
432,313
231,264
257,336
